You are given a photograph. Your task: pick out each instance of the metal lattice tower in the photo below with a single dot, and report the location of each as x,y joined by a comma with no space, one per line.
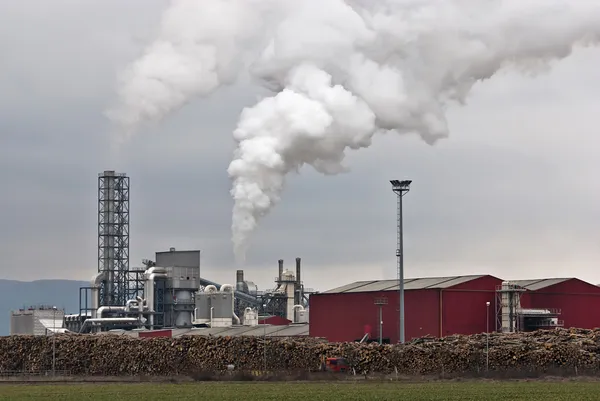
400,188
113,237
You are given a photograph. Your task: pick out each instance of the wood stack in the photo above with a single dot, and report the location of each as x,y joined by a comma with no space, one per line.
124,355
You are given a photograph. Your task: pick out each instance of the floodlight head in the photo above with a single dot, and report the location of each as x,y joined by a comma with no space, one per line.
487,303
400,186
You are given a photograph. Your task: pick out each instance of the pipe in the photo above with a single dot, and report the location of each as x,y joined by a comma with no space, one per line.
141,305
229,287
130,303
96,282
225,287
210,289
103,309
87,322
211,316
151,275
280,269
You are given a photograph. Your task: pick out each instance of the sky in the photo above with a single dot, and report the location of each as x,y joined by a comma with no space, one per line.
511,193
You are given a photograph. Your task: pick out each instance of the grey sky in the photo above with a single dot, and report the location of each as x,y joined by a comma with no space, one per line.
512,192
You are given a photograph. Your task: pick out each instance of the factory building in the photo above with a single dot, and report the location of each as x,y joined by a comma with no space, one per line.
38,320
168,292
433,307
567,302
444,306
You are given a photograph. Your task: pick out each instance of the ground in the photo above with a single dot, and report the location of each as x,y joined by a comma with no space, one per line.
576,390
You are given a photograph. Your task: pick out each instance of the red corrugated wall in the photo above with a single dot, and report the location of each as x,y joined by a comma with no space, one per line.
578,301
343,317
465,310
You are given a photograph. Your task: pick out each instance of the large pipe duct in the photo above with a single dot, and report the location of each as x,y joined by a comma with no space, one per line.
104,309
280,269
88,322
151,275
95,284
229,288
210,289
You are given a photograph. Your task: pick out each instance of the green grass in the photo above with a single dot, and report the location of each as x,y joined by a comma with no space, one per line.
347,391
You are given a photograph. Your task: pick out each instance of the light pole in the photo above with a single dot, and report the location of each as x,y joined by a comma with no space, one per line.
400,188
54,341
487,336
380,302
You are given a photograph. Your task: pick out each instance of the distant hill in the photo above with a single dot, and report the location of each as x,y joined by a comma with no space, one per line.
23,294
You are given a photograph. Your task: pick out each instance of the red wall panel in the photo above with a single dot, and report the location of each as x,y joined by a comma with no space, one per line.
465,312
343,317
156,333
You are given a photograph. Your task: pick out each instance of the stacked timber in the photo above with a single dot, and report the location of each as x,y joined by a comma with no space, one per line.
123,355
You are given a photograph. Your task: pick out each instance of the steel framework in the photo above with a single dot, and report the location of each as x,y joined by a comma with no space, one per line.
113,237
400,188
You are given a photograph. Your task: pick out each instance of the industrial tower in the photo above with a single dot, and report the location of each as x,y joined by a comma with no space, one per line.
113,237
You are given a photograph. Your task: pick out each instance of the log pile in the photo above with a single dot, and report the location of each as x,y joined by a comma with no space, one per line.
123,355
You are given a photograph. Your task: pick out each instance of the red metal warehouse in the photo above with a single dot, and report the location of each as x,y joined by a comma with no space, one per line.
574,302
444,306
433,306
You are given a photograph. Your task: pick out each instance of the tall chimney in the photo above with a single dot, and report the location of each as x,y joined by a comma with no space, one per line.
298,271
239,276
280,269
298,292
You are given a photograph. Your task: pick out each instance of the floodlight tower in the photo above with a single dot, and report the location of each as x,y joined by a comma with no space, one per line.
400,188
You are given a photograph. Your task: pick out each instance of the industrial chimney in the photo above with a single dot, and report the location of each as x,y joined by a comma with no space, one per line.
298,271
298,292
280,269
239,280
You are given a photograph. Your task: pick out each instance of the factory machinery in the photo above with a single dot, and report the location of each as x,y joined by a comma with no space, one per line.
169,292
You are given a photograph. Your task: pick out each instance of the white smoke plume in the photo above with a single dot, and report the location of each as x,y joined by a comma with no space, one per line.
340,71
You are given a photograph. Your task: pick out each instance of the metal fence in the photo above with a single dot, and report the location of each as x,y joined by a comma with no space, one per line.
43,373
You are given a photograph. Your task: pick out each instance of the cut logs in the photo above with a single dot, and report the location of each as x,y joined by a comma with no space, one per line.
122,355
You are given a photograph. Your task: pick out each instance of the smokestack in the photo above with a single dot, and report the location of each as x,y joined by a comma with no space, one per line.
280,269
298,271
239,276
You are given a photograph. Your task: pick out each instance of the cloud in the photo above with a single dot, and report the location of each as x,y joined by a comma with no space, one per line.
512,192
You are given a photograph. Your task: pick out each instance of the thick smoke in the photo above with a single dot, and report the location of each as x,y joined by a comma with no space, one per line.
340,71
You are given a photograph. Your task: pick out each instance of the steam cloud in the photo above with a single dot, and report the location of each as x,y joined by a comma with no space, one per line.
340,72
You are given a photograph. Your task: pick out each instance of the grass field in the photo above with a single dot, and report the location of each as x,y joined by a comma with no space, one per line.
347,391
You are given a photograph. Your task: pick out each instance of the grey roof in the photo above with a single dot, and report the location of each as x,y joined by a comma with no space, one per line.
409,284
255,331
534,285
